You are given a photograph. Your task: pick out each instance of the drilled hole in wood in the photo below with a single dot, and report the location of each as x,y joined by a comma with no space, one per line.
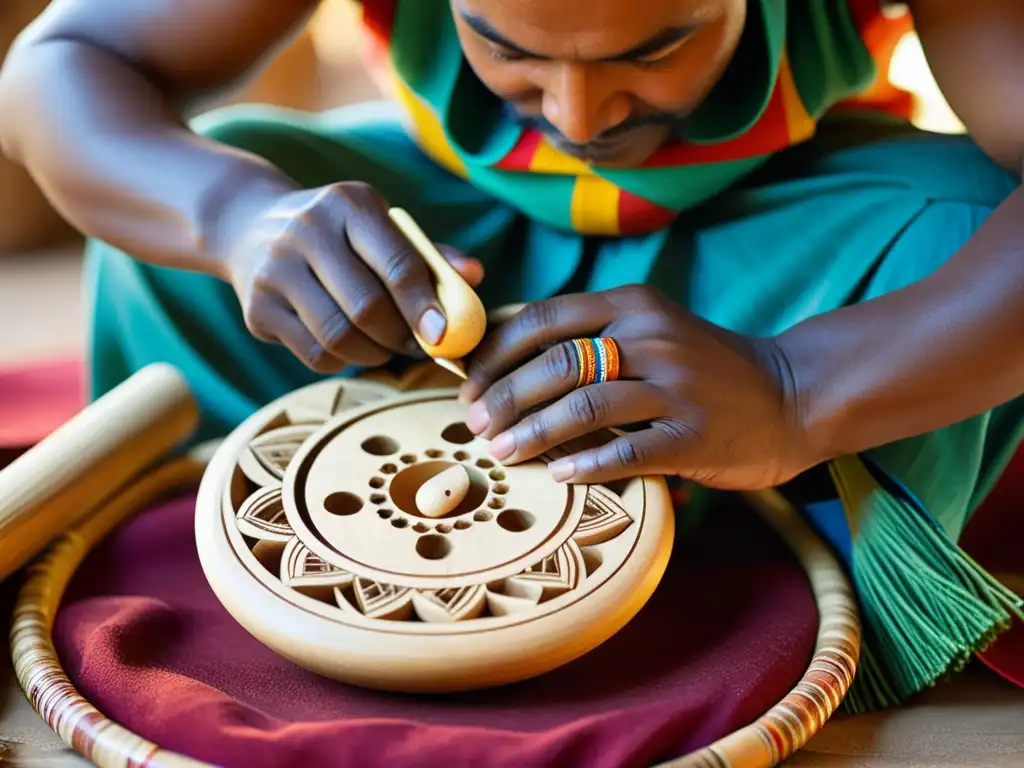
458,433
482,516
433,453
384,513
408,459
380,445
343,503
433,547
389,469
399,522
497,474
500,488
443,528
484,463
461,455
378,498
516,520
461,525
496,503
421,528
377,482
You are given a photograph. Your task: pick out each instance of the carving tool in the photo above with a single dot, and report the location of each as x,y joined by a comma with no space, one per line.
463,310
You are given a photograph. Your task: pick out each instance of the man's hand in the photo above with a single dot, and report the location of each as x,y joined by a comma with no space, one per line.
328,275
715,406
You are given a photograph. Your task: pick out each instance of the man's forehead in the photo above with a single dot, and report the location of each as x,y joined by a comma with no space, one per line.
587,20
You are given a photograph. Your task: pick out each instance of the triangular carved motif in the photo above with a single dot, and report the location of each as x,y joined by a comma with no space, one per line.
555,574
262,516
455,604
383,601
604,517
274,450
301,567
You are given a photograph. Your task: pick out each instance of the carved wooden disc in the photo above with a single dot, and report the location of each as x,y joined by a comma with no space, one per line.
308,531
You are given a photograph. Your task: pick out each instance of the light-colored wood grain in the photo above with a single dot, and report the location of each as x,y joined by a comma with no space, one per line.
310,535
56,483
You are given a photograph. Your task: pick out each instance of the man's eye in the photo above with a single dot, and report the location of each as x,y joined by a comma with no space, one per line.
500,55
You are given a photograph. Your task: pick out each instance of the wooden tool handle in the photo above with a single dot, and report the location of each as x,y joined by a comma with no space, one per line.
467,319
60,480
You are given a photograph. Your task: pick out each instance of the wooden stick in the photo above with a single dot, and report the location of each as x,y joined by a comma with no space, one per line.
56,483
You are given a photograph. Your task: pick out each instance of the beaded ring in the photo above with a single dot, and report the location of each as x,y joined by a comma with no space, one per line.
598,360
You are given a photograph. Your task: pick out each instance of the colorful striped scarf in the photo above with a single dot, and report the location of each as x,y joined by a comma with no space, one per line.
797,61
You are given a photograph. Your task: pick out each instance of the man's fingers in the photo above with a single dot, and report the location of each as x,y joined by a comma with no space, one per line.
333,331
389,254
536,326
651,451
362,297
580,413
471,270
276,321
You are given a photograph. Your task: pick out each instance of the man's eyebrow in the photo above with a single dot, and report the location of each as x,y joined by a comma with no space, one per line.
651,45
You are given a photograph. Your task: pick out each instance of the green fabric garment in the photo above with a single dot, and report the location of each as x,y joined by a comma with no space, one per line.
866,208
829,61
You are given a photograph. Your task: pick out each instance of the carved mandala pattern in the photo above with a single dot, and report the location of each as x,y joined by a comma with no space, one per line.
258,510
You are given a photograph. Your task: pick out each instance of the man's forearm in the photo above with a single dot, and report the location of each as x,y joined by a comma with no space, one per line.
937,352
113,157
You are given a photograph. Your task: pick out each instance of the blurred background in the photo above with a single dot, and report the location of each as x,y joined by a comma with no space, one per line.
40,256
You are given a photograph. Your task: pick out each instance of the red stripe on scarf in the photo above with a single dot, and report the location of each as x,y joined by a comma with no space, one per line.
769,134
638,216
521,155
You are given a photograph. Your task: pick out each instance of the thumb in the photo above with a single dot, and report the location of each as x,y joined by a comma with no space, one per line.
471,270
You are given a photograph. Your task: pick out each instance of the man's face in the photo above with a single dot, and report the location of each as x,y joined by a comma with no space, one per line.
606,80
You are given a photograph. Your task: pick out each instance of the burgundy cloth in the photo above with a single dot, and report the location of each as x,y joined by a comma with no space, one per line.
35,399
727,633
995,538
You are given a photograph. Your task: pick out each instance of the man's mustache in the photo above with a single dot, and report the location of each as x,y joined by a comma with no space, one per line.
631,123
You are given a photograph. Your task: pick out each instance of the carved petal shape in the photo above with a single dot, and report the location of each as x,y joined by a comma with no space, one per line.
301,567
320,403
503,605
445,605
262,516
604,517
556,574
273,450
383,601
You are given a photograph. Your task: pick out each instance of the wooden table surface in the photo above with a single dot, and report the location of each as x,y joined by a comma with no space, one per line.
974,720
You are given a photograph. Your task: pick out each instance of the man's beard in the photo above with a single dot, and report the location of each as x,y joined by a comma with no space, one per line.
634,122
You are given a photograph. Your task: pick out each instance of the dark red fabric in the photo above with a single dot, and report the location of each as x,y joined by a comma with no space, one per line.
995,538
35,399
728,632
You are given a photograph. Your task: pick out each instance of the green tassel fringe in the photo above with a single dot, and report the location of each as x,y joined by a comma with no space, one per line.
926,606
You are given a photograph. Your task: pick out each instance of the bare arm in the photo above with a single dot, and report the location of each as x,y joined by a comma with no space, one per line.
91,103
950,346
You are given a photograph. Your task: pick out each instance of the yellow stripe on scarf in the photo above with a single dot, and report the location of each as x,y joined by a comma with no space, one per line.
547,159
799,124
595,206
428,130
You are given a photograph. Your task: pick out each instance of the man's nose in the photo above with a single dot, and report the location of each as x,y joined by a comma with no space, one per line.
579,105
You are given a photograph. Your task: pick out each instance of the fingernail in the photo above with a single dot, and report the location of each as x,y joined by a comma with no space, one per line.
503,446
432,326
562,470
478,419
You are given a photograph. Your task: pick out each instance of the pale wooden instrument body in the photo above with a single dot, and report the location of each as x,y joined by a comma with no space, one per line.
308,531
